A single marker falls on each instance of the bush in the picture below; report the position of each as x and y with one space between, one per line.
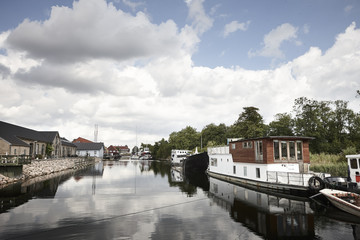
334 164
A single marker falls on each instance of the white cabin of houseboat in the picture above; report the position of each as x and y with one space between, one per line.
178 156
280 159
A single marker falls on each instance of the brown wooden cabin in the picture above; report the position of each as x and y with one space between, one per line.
271 149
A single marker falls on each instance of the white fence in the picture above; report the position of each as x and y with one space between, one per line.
218 150
300 179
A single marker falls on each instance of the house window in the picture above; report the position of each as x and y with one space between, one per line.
95 152
353 163
233 146
259 150
258 172
15 151
245 171
24 151
234 169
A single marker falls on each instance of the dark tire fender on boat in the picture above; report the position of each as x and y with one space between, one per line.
316 183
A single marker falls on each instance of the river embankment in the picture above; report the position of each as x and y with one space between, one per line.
47 167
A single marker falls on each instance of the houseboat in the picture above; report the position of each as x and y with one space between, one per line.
276 163
178 156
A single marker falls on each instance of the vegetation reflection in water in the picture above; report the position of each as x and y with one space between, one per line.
149 199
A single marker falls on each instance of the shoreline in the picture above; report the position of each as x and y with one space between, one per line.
39 168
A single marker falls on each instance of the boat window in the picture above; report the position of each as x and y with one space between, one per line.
353 163
234 169
292 150
284 153
259 150
299 150
258 172
214 162
276 150
247 144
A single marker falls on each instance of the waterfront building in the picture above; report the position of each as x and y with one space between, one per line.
17 140
90 149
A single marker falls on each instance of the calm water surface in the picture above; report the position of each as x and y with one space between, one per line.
149 200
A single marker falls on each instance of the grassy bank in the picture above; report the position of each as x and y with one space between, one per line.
336 165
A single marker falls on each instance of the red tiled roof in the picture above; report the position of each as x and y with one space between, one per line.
81 140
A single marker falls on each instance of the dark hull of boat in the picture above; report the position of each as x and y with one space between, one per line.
196 163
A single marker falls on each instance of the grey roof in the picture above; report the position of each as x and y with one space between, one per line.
66 142
89 146
50 136
13 134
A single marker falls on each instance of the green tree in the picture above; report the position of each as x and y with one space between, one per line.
187 138
283 125
312 120
162 149
250 124
354 131
338 130
49 149
215 135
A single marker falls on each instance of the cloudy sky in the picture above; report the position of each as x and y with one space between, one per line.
147 68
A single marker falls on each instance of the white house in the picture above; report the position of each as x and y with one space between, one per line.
90 149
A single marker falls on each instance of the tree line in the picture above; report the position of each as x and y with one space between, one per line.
333 125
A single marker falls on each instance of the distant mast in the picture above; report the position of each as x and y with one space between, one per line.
96 133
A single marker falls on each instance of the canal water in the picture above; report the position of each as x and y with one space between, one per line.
150 200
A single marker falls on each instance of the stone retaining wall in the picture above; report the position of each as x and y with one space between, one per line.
45 167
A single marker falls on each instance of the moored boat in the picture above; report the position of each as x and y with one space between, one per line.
277 163
178 156
197 162
346 201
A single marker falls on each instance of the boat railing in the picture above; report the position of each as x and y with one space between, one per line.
300 179
218 150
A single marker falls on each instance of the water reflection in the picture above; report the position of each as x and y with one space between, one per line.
270 216
147 199
42 187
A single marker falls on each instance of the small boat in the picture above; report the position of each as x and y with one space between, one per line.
178 156
347 201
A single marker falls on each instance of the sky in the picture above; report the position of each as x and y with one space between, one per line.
141 70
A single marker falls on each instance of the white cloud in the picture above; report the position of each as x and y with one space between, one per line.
306 28
157 91
201 22
273 40
133 5
93 29
235 26
348 8
214 9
